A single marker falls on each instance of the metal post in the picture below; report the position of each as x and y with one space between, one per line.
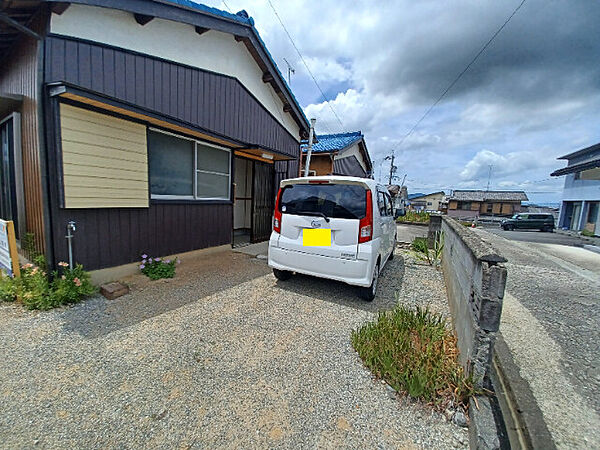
391 169
69 236
310 142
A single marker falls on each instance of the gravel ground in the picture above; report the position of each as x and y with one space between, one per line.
221 356
550 322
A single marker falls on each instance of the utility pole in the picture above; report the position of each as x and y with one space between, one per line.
392 167
291 70
489 177
310 143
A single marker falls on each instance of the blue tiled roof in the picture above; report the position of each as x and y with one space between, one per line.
333 142
243 17
416 195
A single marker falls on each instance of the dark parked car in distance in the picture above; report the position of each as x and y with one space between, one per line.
523 221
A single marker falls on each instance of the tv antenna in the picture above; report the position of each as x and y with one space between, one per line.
291 70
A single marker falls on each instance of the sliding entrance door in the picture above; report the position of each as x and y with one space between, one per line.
8 192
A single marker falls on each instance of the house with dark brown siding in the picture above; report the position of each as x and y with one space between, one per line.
156 126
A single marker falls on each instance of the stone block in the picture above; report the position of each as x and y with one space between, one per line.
114 290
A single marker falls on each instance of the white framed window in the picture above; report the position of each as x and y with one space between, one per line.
187 169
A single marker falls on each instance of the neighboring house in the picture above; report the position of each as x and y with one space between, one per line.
470 204
427 202
339 154
580 208
157 126
399 196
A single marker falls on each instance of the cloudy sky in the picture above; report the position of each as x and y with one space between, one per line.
532 96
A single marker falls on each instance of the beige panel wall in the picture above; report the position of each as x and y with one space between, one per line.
105 160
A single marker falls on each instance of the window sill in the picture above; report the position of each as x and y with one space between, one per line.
186 201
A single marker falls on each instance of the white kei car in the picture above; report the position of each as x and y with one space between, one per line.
335 227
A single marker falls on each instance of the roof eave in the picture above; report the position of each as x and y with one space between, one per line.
242 29
583 151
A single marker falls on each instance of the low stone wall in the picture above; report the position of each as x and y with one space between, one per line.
475 281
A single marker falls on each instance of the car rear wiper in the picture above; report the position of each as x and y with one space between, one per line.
313 213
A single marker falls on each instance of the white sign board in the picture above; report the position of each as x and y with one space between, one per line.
7 247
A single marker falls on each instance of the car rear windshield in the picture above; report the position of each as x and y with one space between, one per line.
341 201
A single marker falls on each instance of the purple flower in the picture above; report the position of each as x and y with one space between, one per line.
156 259
142 266
144 261
168 261
178 261
144 256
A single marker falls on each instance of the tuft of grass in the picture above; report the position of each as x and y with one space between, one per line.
432 256
415 353
587 233
419 244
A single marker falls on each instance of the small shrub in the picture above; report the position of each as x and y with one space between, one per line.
8 289
157 268
72 285
35 290
414 216
587 233
414 352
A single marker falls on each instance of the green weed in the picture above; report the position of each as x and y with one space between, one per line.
415 353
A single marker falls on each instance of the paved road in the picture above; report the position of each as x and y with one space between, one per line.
406 233
551 323
536 236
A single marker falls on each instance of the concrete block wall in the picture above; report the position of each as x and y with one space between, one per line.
475 281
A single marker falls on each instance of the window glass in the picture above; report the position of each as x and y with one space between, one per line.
212 185
171 160
381 203
388 204
211 159
171 163
342 201
212 172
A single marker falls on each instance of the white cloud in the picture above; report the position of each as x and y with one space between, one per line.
531 96
512 163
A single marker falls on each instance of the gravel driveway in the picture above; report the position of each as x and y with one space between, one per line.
221 356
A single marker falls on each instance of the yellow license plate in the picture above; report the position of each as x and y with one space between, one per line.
316 237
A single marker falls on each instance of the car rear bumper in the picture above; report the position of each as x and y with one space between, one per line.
356 272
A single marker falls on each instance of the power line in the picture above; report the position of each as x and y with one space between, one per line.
306 65
227 6
451 85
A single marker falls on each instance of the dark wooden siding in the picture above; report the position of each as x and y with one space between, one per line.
19 75
109 237
217 103
112 236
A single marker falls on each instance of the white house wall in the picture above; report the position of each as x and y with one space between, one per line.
215 51
353 150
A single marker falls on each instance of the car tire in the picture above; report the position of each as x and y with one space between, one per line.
509 228
282 275
368 293
547 229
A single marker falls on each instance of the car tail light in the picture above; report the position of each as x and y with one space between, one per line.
365 227
277 215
